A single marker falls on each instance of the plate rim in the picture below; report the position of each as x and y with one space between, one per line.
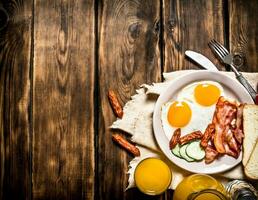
185 79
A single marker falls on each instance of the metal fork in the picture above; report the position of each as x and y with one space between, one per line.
227 58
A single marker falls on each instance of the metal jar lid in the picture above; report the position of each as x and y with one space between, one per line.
244 194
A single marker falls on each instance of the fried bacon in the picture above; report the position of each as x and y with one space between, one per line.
225 113
228 133
210 154
238 129
230 140
230 152
207 135
175 138
191 136
218 138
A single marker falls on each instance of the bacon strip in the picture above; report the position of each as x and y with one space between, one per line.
175 138
191 136
224 114
229 138
231 152
225 111
125 144
238 131
218 135
207 135
210 154
218 138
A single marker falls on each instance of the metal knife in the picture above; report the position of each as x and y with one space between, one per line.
201 60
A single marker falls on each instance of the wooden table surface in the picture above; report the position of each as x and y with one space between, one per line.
59 58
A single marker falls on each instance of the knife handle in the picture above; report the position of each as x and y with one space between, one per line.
247 86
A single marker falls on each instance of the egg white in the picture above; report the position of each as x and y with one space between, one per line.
187 93
201 115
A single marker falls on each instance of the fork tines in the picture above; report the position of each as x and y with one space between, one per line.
218 49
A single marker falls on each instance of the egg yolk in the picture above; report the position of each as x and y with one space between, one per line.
206 94
179 114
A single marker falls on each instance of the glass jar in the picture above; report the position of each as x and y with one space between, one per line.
241 190
200 187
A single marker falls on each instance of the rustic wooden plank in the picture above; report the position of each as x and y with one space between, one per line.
128 56
63 100
190 25
15 49
243 31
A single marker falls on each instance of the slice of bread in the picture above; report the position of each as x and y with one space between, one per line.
250 126
251 168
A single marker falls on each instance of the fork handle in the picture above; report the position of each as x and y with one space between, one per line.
247 85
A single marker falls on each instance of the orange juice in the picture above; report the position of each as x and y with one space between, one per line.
199 187
207 195
152 176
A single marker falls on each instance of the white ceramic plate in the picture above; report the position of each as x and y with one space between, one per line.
232 89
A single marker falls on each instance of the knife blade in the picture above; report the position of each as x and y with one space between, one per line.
201 60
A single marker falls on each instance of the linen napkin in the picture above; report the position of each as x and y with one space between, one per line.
137 121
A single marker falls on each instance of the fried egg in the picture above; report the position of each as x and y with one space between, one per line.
193 108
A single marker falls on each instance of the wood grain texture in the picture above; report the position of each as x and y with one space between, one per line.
128 56
15 45
243 29
63 93
190 25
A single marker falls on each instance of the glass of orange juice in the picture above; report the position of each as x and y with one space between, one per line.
152 176
200 187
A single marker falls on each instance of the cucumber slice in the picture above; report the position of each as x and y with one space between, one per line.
195 151
175 151
183 154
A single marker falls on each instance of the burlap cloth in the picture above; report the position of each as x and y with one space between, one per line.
137 121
